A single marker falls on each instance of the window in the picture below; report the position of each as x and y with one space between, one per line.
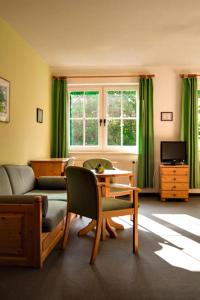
103 118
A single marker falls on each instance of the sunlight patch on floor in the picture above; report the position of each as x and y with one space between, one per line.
182 221
183 251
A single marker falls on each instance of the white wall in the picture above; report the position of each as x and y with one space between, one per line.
167 92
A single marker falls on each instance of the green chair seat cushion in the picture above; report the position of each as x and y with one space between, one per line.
60 195
115 204
55 214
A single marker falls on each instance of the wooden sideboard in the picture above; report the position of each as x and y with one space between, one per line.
174 182
49 166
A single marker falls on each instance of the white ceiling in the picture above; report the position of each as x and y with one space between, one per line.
108 33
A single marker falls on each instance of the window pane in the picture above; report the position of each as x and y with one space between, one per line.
76 132
129 133
91 104
114 132
76 104
129 104
91 132
114 104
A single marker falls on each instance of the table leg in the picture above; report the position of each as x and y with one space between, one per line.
88 228
110 230
103 230
115 224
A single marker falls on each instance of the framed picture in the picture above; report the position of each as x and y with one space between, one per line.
39 117
4 100
166 116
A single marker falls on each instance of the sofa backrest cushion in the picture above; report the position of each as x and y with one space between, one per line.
22 178
51 183
5 187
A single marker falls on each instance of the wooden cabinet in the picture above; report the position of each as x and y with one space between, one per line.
174 182
49 167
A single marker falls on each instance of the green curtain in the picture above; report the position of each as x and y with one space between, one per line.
189 126
146 134
59 147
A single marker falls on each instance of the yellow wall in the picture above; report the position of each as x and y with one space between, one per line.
23 138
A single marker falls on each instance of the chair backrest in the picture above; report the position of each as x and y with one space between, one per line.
82 192
92 163
70 162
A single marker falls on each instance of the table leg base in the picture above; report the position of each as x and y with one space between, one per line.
87 229
106 225
116 225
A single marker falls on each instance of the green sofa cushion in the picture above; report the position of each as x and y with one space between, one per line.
55 214
5 187
51 183
115 204
22 178
60 195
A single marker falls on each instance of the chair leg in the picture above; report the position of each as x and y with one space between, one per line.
66 230
96 241
135 233
131 200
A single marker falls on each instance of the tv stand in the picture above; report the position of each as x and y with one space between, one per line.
174 181
174 163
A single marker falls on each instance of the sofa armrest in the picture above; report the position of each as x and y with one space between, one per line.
25 199
51 183
21 230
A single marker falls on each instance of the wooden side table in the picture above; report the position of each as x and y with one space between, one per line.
49 166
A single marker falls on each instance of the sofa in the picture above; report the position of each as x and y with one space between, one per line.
32 215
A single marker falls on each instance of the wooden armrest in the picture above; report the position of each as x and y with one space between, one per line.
119 186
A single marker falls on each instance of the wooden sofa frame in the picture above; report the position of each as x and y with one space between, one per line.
22 241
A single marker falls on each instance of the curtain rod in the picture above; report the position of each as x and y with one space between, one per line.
189 75
106 76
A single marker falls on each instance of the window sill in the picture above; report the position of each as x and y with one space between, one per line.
102 152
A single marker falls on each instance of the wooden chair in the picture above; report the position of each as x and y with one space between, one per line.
116 189
84 198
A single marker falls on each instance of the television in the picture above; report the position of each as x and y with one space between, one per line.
173 152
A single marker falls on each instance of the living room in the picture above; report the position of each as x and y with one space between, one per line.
100 39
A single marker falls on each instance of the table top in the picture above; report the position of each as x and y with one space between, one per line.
114 173
51 159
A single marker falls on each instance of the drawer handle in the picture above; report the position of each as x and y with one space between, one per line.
174 178
174 187
174 171
174 195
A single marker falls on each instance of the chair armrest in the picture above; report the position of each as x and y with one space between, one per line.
119 186
51 183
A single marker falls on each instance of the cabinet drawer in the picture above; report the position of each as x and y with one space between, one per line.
174 171
171 178
174 194
174 186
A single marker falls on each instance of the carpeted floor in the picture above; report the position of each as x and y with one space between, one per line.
167 267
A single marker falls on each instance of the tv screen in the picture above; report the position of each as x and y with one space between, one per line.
173 152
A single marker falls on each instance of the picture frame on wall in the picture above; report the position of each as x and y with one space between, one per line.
39 115
166 116
4 100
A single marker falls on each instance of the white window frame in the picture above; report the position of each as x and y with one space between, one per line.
91 147
102 130
128 149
